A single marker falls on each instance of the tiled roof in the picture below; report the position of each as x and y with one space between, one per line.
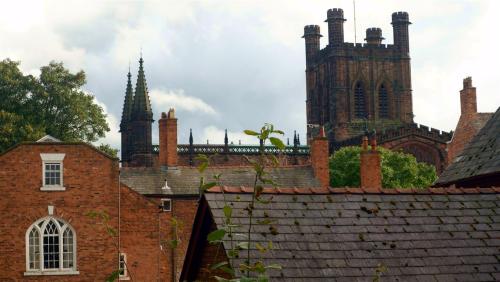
480 157
186 180
431 234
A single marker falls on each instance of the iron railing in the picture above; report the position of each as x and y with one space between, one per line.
236 149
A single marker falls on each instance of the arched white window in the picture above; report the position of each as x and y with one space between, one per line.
50 247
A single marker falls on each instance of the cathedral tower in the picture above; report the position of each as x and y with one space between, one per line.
354 87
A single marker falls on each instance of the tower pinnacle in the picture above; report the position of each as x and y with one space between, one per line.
142 106
128 103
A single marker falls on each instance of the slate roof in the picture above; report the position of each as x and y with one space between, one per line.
186 180
344 234
480 157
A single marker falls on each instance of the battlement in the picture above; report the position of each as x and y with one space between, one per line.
335 14
374 32
400 17
468 82
374 36
311 30
397 133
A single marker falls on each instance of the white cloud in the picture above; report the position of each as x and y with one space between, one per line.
113 137
241 63
165 99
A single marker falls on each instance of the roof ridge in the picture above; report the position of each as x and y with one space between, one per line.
452 190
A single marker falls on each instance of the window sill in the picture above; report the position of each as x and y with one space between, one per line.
51 272
124 278
52 188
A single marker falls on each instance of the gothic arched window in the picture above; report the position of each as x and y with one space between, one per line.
359 101
383 102
50 247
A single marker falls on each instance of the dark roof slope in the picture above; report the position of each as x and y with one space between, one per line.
479 158
344 234
186 180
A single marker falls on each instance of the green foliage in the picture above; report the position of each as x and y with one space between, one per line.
251 271
106 148
52 103
399 170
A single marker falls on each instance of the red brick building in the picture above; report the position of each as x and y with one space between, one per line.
66 217
470 121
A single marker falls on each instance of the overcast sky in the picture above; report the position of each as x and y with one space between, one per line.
237 64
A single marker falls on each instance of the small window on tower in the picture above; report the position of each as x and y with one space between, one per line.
383 102
166 204
359 101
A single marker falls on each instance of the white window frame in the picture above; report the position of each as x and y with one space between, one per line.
51 158
61 271
123 276
163 204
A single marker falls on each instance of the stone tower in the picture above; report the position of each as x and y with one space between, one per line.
135 126
355 87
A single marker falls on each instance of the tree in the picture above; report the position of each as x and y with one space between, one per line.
399 170
53 103
106 148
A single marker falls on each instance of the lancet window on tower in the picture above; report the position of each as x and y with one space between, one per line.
383 102
359 101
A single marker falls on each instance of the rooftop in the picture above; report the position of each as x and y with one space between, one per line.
481 157
432 234
186 180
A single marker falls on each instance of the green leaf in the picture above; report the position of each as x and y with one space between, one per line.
251 132
173 243
243 245
259 267
111 231
277 142
228 270
264 222
227 211
218 265
208 185
273 266
202 167
113 276
260 248
262 278
216 236
279 132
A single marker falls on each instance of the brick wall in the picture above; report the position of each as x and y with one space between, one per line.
91 181
319 159
370 168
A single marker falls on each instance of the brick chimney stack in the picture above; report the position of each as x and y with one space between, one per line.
319 158
168 140
468 101
370 169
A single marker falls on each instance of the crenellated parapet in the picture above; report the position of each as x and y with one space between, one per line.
406 130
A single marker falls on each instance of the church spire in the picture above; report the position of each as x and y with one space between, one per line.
142 107
128 103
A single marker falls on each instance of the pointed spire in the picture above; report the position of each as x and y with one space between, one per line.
142 106
226 140
190 136
128 103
